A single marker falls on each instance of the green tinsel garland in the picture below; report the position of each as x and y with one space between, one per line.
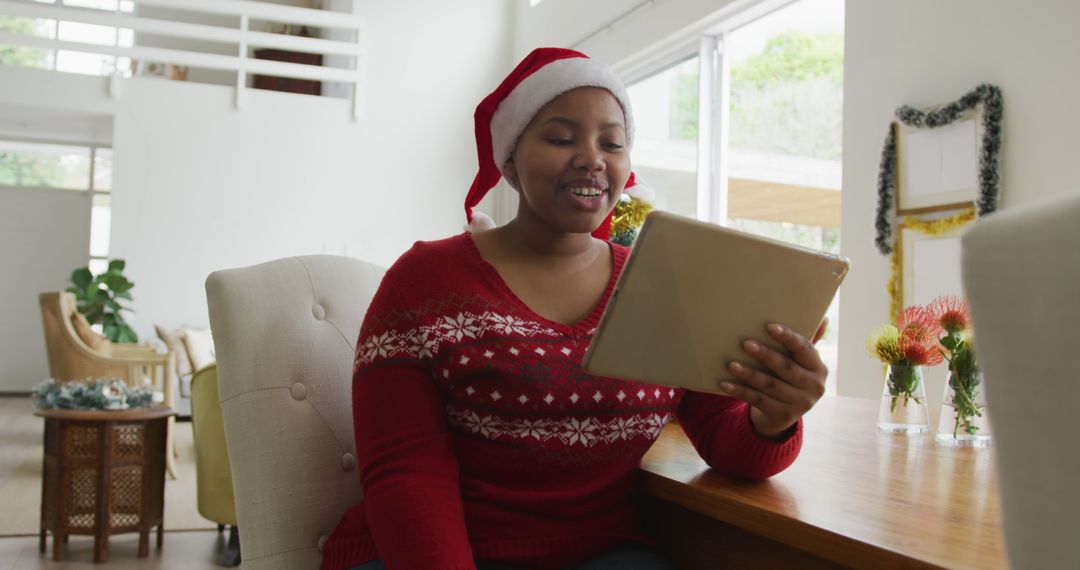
99 394
989 176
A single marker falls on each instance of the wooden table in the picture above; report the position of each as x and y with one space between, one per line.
854 498
104 473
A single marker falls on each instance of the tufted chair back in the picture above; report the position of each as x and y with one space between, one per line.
284 334
1021 271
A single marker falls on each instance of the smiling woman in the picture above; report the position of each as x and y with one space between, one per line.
481 441
572 155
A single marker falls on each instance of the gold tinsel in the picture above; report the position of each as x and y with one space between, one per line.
629 215
941 225
927 227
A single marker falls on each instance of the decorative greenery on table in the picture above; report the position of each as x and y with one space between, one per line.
98 298
99 394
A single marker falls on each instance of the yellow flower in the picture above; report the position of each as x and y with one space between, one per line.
884 344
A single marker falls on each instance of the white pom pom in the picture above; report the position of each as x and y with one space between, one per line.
641 191
481 222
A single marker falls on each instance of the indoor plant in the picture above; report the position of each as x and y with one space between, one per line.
905 347
98 298
963 419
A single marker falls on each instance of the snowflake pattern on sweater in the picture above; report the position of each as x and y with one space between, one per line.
515 379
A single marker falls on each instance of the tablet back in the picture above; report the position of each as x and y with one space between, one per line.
691 292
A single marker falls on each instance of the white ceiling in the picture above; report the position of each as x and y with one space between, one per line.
53 125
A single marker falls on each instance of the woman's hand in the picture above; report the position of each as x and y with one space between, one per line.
780 397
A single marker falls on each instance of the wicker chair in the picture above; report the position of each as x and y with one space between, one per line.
71 358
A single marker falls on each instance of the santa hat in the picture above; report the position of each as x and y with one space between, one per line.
503 115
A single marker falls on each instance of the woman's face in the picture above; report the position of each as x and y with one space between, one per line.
571 164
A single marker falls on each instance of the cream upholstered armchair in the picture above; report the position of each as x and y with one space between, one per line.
284 334
76 352
1021 271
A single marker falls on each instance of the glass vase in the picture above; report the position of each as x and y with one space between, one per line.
903 401
964 420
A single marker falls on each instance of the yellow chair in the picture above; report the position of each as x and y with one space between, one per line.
68 340
213 473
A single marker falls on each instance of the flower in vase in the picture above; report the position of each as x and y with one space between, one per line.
884 344
909 343
955 345
919 332
951 313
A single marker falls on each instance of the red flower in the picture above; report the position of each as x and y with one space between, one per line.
951 313
919 332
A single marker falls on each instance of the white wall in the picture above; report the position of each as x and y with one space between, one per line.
44 235
895 54
200 186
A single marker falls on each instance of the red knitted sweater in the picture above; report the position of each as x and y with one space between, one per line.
479 436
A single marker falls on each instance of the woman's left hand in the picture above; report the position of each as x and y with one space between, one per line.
794 384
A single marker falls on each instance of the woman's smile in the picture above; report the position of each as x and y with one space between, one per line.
587 194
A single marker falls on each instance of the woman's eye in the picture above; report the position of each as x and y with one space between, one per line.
560 142
612 146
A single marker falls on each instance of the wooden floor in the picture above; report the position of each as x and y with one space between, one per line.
183 550
20 444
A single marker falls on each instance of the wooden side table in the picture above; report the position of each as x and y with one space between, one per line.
104 474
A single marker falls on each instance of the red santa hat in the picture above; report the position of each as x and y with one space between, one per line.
503 115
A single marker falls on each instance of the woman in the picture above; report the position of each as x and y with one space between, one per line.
481 441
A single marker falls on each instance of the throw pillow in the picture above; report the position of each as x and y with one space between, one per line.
175 341
200 347
96 342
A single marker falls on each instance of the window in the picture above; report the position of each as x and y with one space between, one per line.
781 77
65 60
666 139
45 165
66 167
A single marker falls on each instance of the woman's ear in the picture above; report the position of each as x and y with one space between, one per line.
510 173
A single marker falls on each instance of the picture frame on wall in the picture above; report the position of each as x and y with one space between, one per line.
937 168
929 264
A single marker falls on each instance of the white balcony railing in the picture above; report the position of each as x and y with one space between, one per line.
240 37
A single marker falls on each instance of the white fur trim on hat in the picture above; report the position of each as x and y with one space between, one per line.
641 191
481 222
545 84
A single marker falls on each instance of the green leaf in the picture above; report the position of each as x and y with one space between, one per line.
126 335
82 277
948 342
117 265
94 315
110 330
114 281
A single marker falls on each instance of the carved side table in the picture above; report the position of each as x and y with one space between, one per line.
104 474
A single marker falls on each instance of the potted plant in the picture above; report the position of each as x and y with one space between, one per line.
905 347
98 297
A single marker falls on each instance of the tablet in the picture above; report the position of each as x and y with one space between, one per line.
691 292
